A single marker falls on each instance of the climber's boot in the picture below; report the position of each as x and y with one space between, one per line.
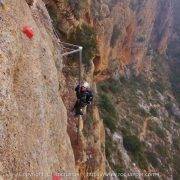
79 112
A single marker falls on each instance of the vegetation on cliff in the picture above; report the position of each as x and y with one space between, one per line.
139 99
85 36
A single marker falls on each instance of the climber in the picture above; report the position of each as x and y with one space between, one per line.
84 97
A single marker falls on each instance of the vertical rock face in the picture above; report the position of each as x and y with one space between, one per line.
125 32
33 118
163 25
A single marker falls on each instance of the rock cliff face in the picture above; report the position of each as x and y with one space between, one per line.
132 125
33 118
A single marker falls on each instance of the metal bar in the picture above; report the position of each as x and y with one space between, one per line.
68 49
71 52
80 65
78 130
64 47
80 82
80 68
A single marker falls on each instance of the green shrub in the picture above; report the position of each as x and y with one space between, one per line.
175 76
143 112
141 39
175 79
109 122
153 112
159 86
104 86
176 143
132 144
141 160
115 86
106 105
153 126
152 158
109 147
126 130
160 132
137 82
118 169
176 163
108 112
135 147
107 150
168 107
85 36
110 85
105 102
162 150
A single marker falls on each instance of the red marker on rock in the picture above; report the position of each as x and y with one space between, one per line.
28 32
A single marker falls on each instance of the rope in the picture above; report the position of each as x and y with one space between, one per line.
78 130
80 66
80 82
73 50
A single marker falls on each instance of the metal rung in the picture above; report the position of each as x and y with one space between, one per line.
71 52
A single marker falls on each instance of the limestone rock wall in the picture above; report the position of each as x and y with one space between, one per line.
125 31
33 118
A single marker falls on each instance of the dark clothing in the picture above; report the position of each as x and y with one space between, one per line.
84 97
78 108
